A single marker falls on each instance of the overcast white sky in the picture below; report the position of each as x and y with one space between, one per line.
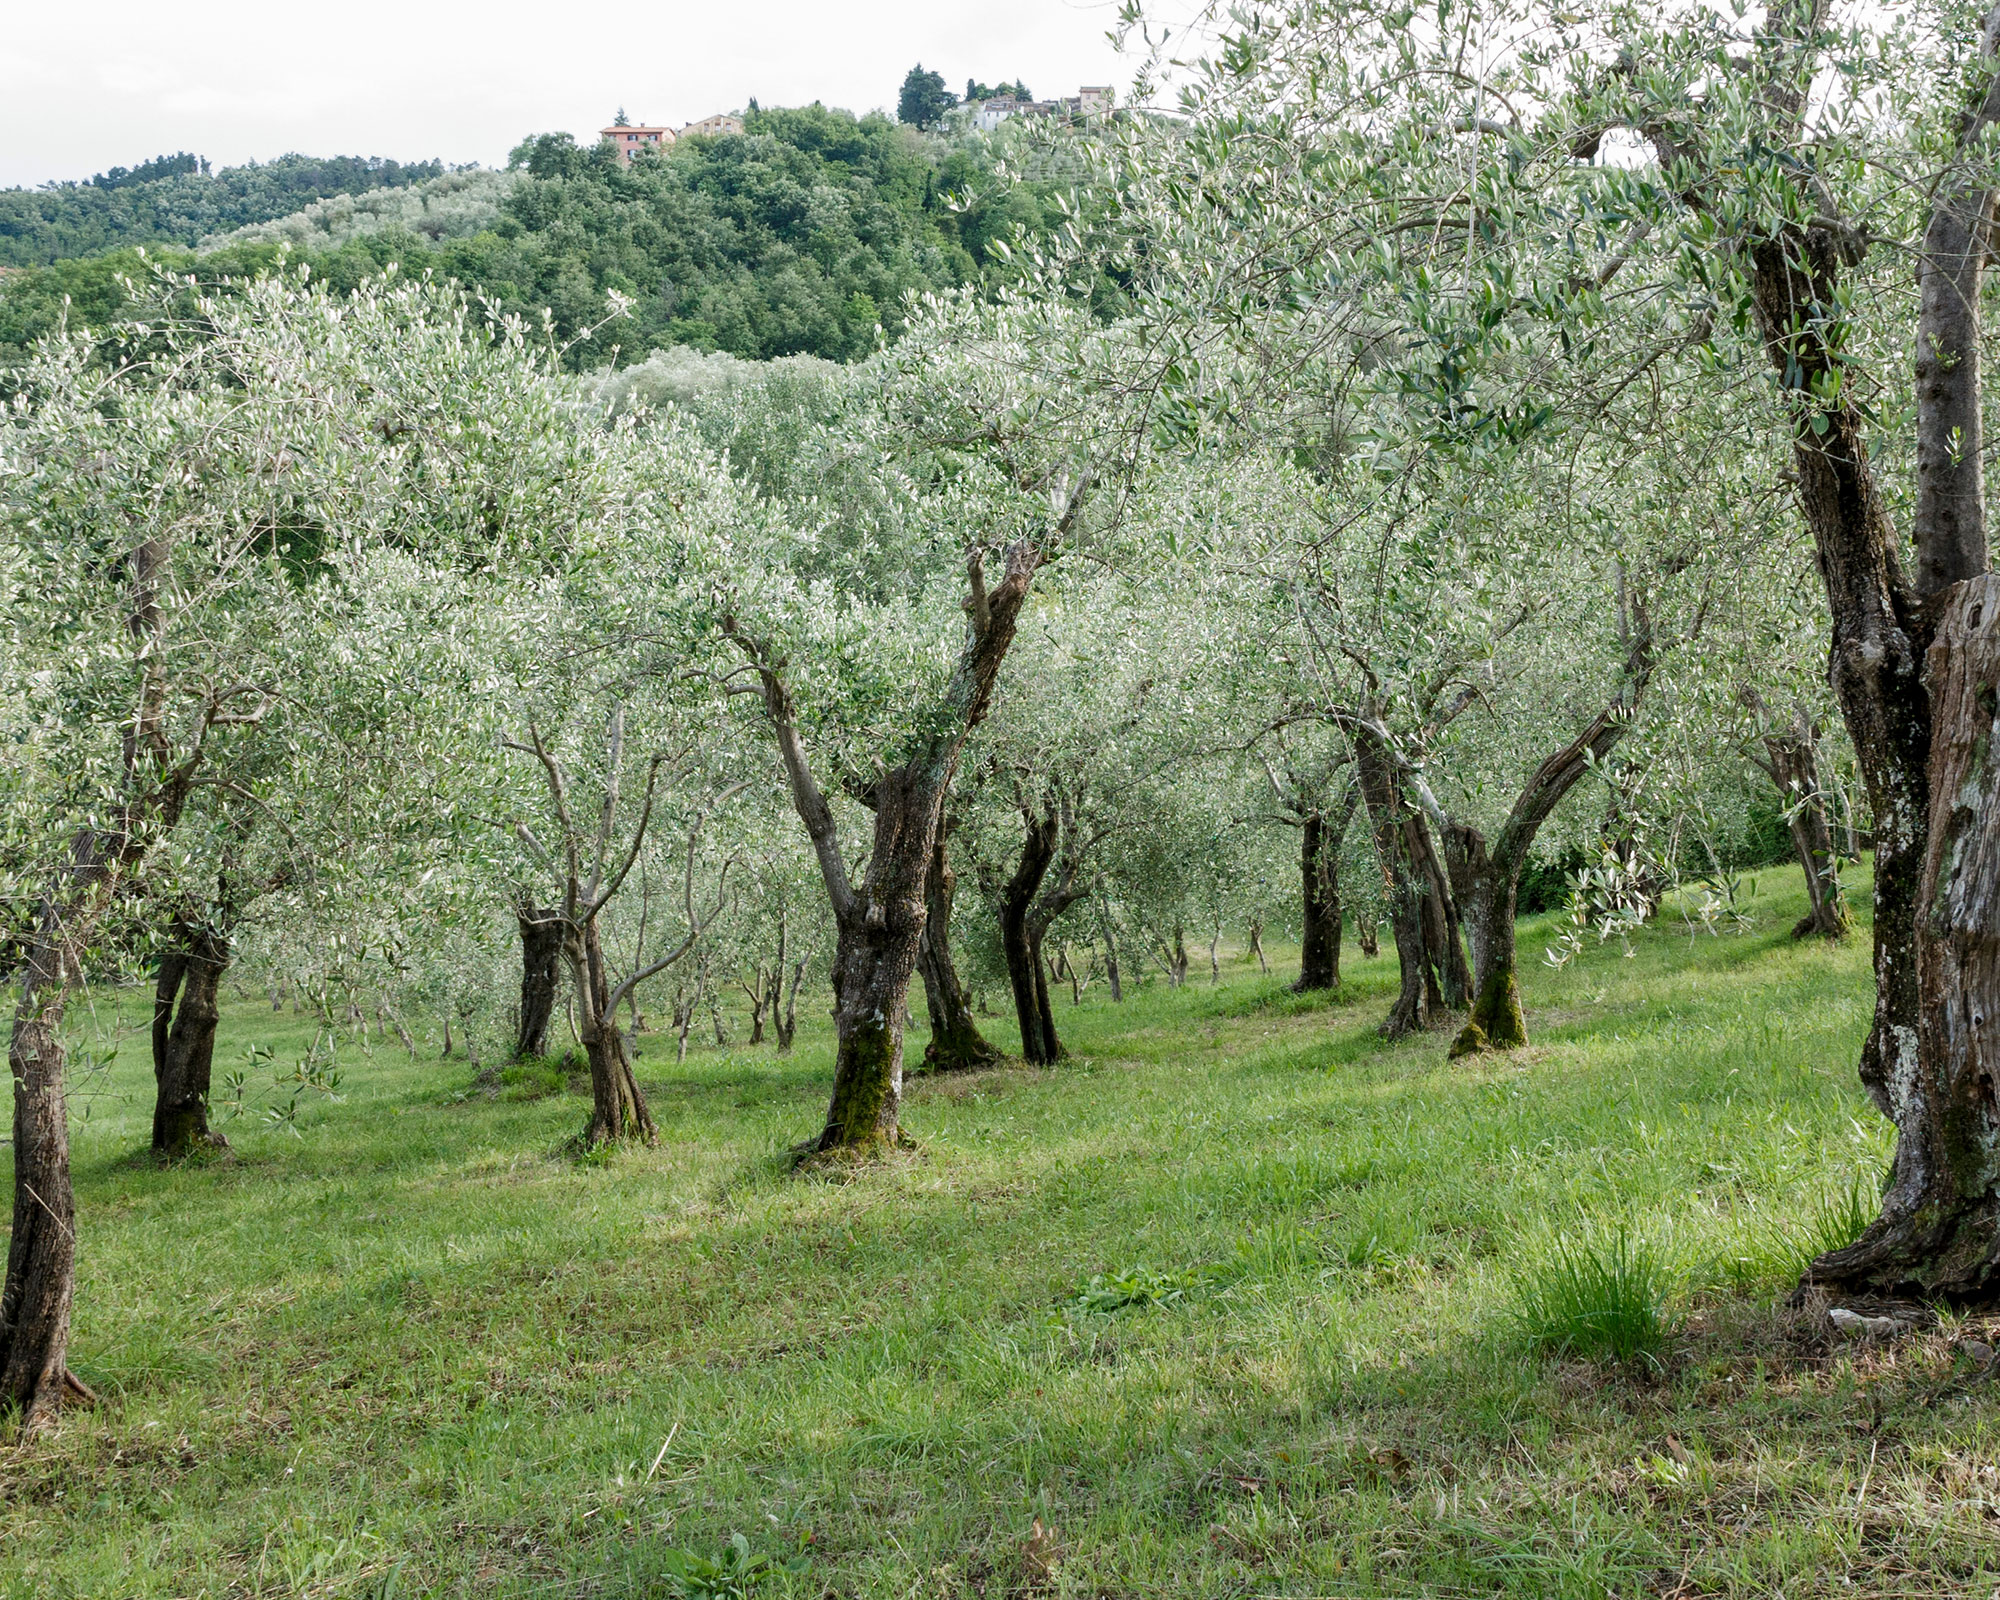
123 80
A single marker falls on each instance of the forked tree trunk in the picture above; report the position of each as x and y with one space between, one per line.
1792 763
1419 1001
1111 975
956 1044
541 965
1930 1057
1020 943
185 1014
880 923
617 1108
1486 883
1368 934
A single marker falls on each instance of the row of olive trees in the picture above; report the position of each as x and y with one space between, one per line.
1652 271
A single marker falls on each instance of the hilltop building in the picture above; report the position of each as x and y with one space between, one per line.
629 138
714 127
1086 105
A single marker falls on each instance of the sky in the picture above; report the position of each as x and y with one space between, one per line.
412 79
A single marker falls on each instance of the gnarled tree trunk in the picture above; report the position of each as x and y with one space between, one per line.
1419 1000
1486 883
1791 761
1929 1058
1018 941
617 1107
874 956
956 1044
541 964
185 1014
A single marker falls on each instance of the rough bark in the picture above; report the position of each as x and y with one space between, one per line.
1938 1236
1419 999
541 966
875 953
1927 1062
1039 1044
1321 835
41 1254
185 1014
956 1044
617 1107
880 922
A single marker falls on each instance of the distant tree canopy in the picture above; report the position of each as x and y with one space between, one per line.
150 171
975 90
176 200
801 236
924 99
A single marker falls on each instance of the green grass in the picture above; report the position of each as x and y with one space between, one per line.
1229 1303
1598 1297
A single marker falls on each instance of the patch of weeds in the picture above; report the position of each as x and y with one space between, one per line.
537 1077
729 1576
1143 1287
1601 1298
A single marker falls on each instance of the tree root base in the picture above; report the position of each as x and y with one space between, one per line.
814 1159
1950 1260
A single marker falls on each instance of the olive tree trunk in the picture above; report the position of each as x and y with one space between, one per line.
1039 1044
541 966
1486 882
1914 668
1791 760
185 1013
617 1107
956 1044
1321 836
1420 1001
879 923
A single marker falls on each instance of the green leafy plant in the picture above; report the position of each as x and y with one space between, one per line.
730 1576
1142 1286
1601 1298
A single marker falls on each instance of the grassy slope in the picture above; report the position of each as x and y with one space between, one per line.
420 1334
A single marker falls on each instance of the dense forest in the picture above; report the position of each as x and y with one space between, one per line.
805 235
176 200
1246 850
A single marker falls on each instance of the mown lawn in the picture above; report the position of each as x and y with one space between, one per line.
420 1350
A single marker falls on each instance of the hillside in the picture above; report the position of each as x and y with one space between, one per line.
802 236
1229 1303
176 200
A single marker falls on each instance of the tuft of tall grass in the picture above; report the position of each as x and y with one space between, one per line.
1601 1297
1840 1217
